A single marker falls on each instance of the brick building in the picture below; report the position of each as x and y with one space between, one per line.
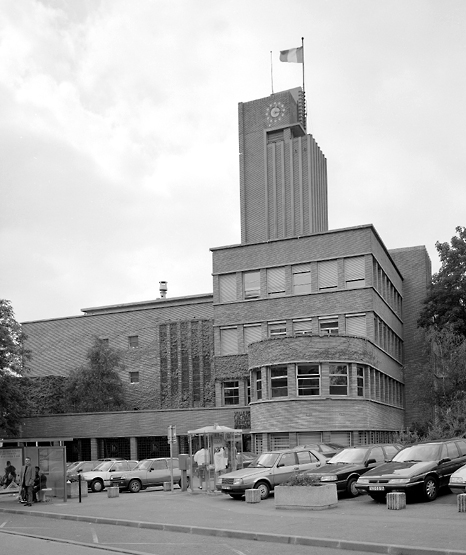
304 338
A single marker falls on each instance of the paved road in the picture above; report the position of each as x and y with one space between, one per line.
358 524
15 539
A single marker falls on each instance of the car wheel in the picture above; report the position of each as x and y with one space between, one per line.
430 488
264 489
351 487
134 486
378 497
97 485
235 495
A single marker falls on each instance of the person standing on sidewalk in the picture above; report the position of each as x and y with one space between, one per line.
26 480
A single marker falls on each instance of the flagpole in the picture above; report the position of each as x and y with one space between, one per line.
271 70
304 90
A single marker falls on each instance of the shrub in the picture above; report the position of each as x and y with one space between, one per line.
303 480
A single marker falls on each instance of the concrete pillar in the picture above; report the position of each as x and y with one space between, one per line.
133 449
253 496
461 501
396 500
94 450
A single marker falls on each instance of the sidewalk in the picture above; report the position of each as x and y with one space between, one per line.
359 524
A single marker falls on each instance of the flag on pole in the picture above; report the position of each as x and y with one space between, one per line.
292 55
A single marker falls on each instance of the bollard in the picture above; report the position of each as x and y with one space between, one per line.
461 500
396 500
253 496
113 492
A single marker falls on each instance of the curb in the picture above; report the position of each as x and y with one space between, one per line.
390 549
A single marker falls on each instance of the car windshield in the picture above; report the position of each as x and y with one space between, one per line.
264 460
419 453
349 456
103 466
72 466
143 465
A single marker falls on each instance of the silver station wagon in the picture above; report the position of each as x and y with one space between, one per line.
148 473
268 470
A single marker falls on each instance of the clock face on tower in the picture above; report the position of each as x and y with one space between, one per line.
274 113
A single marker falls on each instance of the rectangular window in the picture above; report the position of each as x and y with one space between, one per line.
248 390
228 341
302 327
251 285
134 377
308 377
279 381
328 275
276 329
252 333
259 385
360 380
338 378
355 272
133 341
231 393
356 325
301 276
227 288
328 326
276 282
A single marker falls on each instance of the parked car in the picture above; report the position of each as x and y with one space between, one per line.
244 459
457 482
423 468
99 478
268 470
147 473
345 467
77 468
327 449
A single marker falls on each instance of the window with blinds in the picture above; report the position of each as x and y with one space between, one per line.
251 282
301 279
355 272
276 329
252 333
227 288
328 326
302 327
338 379
276 282
360 380
356 325
259 385
228 341
328 274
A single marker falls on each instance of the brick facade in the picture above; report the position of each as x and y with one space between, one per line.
293 299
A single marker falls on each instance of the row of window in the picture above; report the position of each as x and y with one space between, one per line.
387 339
314 379
385 287
133 341
301 282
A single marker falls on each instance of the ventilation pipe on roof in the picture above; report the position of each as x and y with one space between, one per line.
163 289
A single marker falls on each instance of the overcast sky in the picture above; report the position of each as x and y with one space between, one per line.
119 146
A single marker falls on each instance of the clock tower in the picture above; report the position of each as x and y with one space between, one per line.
283 173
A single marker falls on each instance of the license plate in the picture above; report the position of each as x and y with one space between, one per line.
226 487
376 488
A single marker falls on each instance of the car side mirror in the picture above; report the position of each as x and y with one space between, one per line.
445 460
370 461
112 470
280 465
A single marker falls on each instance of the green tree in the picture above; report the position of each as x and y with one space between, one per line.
13 357
445 304
441 383
97 386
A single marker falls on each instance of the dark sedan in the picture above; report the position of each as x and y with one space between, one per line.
422 468
346 466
